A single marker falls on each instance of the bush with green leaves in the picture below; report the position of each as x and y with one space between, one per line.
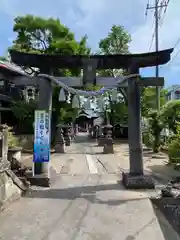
148 138
174 147
12 139
170 114
156 125
24 113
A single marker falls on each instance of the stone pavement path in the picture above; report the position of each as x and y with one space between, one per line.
156 164
87 202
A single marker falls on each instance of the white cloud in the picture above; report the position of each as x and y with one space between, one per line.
168 33
95 18
168 36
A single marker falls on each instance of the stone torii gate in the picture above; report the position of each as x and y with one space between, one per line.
135 178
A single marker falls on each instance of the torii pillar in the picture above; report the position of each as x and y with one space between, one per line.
41 170
135 178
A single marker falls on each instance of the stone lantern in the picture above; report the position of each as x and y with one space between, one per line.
108 141
59 144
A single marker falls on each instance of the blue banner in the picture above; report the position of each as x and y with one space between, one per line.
41 136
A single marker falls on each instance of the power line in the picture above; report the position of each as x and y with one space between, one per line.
157 7
161 19
175 56
152 39
164 12
176 44
178 41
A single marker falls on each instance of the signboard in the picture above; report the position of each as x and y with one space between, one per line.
41 136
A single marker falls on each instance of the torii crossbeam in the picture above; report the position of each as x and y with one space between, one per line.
135 178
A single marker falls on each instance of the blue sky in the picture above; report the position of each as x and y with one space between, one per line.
95 18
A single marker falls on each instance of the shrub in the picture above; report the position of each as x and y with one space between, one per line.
170 114
174 148
148 139
12 139
155 127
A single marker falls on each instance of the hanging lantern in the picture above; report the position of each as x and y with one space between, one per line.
114 95
87 104
75 102
62 95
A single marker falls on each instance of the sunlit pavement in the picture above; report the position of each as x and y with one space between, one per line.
87 201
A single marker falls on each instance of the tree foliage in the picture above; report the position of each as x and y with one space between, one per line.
155 127
174 147
148 99
171 115
24 113
63 112
3 58
49 36
116 42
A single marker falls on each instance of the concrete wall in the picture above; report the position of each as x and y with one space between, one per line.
8 190
11 186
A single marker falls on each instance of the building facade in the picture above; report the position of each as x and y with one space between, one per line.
173 92
9 92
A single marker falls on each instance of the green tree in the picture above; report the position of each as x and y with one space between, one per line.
49 36
148 99
36 34
24 113
3 58
170 113
117 42
155 127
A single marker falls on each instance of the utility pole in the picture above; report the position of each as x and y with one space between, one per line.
156 7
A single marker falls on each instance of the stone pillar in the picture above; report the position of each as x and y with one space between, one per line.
75 129
98 131
4 144
71 132
4 163
95 131
108 141
134 125
90 132
59 144
41 170
101 136
67 135
135 178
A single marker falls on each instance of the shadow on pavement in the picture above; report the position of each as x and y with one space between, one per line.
86 192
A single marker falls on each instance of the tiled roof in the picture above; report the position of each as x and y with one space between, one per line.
89 113
12 67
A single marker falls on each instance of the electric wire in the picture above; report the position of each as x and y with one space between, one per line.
175 56
160 17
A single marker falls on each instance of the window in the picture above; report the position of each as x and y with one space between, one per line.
1 82
177 94
30 92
